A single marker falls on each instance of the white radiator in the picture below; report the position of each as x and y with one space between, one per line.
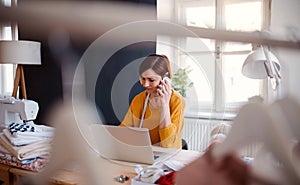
196 132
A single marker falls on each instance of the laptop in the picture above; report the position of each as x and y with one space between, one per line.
128 144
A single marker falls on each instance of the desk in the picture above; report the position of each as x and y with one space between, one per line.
117 168
4 174
108 170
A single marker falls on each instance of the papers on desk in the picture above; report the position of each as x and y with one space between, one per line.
150 174
174 165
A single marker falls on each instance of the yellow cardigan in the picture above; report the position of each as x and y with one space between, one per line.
169 137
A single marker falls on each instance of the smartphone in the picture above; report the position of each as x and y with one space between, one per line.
167 80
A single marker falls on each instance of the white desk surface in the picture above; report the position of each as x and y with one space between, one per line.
108 169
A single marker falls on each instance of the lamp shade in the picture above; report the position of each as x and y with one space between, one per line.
255 64
20 52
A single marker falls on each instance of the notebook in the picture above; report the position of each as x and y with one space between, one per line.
128 144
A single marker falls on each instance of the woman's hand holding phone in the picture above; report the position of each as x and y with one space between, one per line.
164 90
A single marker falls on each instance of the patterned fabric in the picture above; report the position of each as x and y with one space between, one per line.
21 127
30 129
36 164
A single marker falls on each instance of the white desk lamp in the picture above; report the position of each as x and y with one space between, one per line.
20 52
260 64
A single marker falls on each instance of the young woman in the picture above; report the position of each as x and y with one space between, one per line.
159 108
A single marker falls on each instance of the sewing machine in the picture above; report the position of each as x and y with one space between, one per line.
17 111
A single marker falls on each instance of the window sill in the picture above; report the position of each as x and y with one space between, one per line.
210 115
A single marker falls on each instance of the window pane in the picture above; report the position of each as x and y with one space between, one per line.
193 44
238 88
239 16
6 70
202 15
6 79
203 78
243 16
6 3
6 33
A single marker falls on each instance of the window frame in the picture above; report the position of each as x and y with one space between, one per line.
218 104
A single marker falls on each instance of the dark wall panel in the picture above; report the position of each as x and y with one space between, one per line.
46 83
106 78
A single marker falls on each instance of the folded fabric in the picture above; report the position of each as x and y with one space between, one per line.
27 151
34 154
22 140
3 149
12 158
30 129
36 164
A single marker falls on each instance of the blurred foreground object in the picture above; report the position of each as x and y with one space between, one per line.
278 162
71 146
206 170
88 20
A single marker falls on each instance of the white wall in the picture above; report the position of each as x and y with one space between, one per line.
285 17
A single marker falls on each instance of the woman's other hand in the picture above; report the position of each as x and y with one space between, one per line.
206 170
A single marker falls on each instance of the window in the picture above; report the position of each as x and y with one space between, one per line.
216 65
6 70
